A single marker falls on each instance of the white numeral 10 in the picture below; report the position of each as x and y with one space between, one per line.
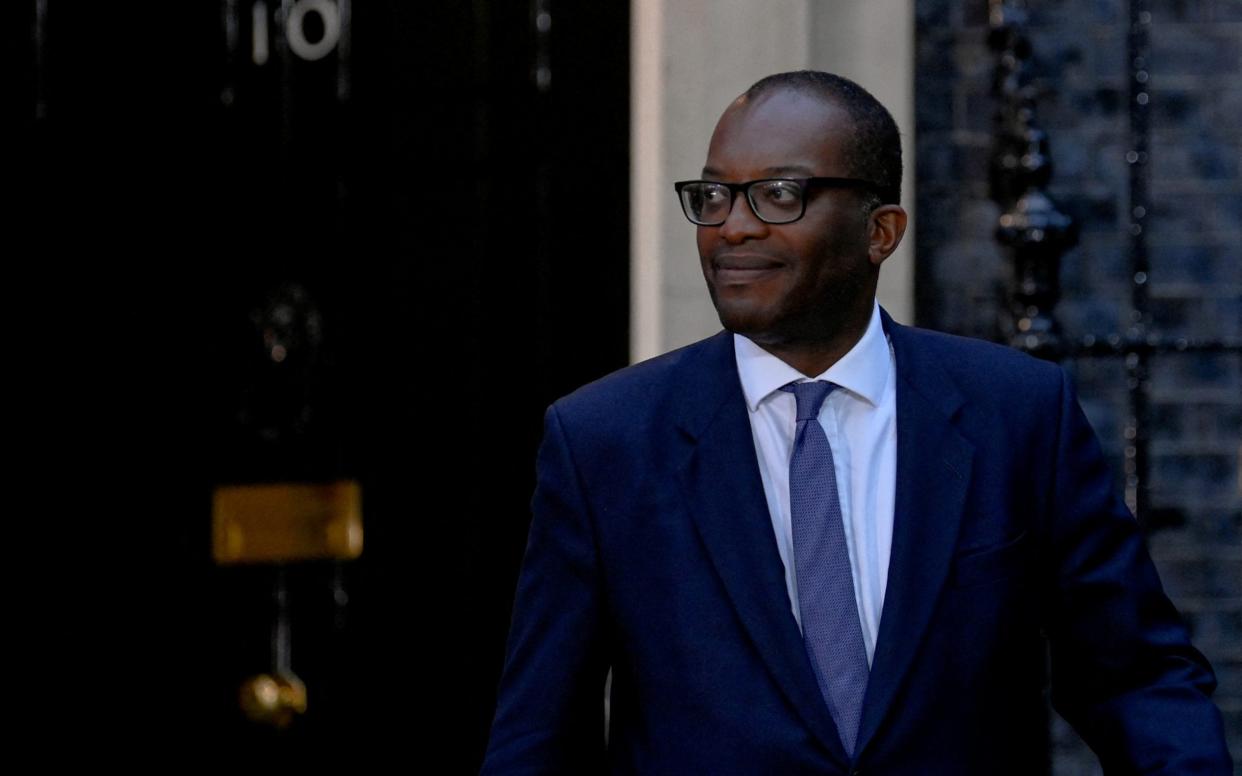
295 18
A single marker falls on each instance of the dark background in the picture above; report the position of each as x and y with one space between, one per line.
453 240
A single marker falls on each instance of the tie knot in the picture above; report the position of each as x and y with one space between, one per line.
810 397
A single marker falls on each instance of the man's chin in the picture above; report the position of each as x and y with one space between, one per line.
749 323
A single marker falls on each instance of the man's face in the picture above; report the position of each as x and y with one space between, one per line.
787 283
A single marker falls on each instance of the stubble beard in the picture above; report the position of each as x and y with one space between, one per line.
846 305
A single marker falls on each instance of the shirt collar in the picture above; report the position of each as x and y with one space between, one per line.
863 370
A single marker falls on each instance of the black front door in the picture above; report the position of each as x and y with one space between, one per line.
355 242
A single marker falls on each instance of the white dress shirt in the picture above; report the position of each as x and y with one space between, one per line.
860 420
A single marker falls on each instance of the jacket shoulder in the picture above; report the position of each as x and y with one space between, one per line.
979 368
648 388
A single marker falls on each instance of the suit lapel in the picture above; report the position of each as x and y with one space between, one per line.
724 494
933 474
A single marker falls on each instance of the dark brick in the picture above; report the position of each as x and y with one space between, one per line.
1111 170
930 14
1173 373
1108 101
1227 209
1203 157
973 59
1184 578
1221 318
1057 109
1049 13
1174 421
1109 12
1094 210
1109 265
1189 473
976 112
1101 391
1174 106
938 210
1180 262
1167 420
1216 421
1215 525
1228 671
974 160
933 106
1226 11
1212 160
1059 53
1182 212
936 159
1096 316
1192 50
1231 620
1071 162
935 56
1110 62
1171 317
1103 418
1215 629
1076 268
1180 10
973 14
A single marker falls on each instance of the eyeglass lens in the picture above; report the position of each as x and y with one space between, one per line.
774 201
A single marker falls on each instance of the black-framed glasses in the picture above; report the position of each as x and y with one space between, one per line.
773 200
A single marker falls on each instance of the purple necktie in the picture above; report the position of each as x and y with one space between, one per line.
830 625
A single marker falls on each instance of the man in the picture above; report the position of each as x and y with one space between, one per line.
821 542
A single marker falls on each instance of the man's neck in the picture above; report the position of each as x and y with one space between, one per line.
813 357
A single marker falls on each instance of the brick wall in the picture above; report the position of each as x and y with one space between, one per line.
1194 231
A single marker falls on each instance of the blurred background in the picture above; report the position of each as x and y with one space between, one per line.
349 251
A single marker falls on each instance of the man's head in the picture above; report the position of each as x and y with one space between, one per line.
875 151
811 280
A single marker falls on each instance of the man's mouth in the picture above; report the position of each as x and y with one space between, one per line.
738 269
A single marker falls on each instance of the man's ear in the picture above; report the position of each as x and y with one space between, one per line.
887 224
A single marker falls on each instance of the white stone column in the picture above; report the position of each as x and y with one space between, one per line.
872 43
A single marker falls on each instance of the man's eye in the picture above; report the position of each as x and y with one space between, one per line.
713 195
781 193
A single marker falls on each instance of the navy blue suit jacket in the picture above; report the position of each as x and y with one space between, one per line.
651 552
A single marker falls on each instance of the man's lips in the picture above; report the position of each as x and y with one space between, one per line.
735 268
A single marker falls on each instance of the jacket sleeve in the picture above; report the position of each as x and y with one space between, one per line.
1124 673
550 707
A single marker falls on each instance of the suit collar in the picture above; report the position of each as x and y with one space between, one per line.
707 382
923 373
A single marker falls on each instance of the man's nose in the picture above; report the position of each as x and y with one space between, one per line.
742 223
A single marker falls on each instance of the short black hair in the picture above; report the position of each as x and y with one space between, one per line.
875 154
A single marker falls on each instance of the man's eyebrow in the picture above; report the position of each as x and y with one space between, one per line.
785 169
790 168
